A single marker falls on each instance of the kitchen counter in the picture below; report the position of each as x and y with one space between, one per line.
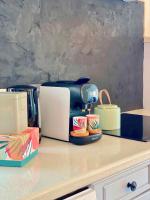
145 112
61 168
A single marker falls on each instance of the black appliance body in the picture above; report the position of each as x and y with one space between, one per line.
134 127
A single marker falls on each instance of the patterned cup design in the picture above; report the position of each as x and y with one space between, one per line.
79 124
93 124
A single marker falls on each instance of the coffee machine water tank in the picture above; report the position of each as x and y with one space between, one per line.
89 94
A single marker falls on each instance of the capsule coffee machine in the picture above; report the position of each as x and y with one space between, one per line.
62 100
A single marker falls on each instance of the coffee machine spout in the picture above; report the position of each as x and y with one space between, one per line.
87 108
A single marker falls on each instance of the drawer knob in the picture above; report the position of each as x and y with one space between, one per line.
132 186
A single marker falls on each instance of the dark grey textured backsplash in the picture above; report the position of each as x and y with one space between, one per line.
65 39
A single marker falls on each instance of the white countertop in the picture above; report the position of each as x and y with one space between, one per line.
61 167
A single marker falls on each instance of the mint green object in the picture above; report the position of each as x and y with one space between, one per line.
14 163
3 153
109 116
109 113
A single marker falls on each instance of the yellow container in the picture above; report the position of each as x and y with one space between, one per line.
13 112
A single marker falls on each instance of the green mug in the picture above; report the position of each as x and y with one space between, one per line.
109 113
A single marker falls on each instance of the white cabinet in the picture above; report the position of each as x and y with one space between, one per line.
146 72
145 196
88 194
130 184
127 185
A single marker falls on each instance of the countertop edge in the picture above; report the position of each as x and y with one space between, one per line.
92 177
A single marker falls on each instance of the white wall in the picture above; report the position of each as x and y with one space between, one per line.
146 74
147 18
146 68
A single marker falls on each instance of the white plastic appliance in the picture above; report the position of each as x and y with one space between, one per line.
55 110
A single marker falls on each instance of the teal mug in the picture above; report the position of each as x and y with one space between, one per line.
109 113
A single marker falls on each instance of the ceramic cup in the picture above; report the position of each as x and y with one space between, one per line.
93 124
79 124
109 113
109 116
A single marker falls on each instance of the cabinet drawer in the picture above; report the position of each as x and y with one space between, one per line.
126 185
145 196
88 194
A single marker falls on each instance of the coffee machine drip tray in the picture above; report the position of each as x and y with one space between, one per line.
134 127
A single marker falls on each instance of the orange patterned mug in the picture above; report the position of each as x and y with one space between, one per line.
93 124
